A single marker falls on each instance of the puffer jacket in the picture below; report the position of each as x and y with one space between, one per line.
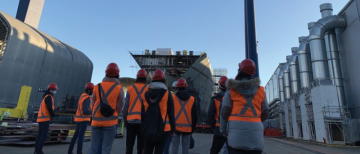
242 134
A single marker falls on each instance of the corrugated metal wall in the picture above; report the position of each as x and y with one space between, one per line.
349 46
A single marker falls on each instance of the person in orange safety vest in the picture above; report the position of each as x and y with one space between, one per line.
82 117
185 117
243 110
108 99
46 113
158 120
135 98
214 117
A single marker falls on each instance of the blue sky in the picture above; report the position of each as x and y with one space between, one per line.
105 30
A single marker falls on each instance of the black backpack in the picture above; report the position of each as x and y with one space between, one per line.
105 109
153 122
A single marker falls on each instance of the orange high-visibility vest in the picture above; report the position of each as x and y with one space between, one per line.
136 100
217 107
183 118
80 117
44 114
110 92
246 109
163 109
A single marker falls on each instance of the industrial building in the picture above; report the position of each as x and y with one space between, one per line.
194 67
314 93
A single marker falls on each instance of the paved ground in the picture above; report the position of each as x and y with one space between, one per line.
202 146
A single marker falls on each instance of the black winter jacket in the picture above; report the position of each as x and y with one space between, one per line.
212 113
153 94
48 102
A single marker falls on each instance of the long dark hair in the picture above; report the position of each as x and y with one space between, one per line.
242 75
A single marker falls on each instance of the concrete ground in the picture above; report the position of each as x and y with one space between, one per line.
202 146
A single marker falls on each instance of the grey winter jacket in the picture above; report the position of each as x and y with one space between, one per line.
241 134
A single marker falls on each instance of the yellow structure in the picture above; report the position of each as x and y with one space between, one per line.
21 108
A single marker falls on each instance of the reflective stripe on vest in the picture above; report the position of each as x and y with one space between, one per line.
183 121
104 99
133 116
44 114
79 117
247 107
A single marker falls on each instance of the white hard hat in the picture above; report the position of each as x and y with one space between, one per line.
174 84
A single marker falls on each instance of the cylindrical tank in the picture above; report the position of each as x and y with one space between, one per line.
178 53
36 59
191 53
184 52
147 52
153 52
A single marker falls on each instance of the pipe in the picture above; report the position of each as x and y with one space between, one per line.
333 55
250 34
287 79
281 83
317 42
294 71
305 69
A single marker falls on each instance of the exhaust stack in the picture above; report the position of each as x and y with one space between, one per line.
317 42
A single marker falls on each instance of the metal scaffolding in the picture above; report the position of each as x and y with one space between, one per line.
337 124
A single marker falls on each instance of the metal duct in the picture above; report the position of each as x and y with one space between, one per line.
305 69
281 83
287 79
333 54
294 71
317 42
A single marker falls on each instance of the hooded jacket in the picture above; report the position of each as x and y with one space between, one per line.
212 113
156 89
184 95
242 134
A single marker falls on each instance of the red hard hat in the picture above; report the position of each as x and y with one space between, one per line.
158 75
247 66
112 70
141 73
89 86
52 86
181 83
223 80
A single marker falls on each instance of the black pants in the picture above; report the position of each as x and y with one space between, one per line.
79 133
133 131
41 137
240 151
159 147
217 144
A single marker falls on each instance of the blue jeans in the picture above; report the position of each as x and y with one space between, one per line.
225 149
185 143
105 143
79 133
167 146
41 137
